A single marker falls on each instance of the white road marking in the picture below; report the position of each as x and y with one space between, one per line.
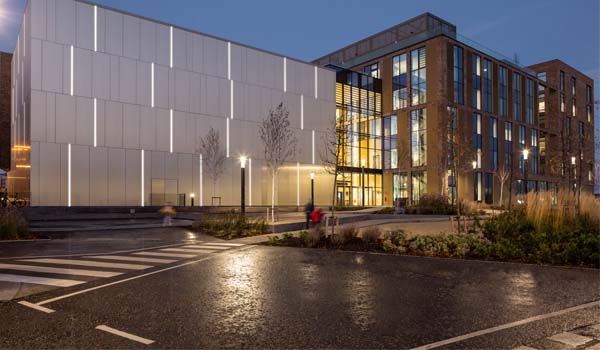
180 250
36 307
125 334
132 258
39 280
226 244
172 255
59 270
205 247
570 339
90 263
51 300
506 326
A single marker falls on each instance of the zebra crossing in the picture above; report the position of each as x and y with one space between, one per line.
67 272
586 337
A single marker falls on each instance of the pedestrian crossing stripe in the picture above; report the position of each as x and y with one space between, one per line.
90 263
58 270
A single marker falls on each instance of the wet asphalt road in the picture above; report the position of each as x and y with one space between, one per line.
275 297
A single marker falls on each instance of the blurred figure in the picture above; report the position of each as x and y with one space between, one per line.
168 211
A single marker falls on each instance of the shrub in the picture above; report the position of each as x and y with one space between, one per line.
434 204
302 235
314 235
396 237
288 235
348 233
13 224
230 225
273 240
371 234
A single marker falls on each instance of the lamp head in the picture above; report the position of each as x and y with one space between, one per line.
312 176
474 164
192 195
525 154
243 161
573 160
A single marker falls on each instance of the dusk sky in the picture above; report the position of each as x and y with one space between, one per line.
534 30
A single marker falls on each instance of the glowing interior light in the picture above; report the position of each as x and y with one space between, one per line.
95 28
171 130
95 123
69 174
201 189
229 60
313 147
316 83
250 181
298 184
231 99
72 70
227 136
284 74
152 84
142 182
171 47
301 112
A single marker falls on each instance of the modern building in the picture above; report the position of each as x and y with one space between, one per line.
459 119
5 111
109 107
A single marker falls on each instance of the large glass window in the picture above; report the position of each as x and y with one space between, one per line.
390 142
477 138
418 76
562 102
517 96
508 145
573 107
503 92
477 187
521 148
489 186
529 101
573 86
494 142
476 83
487 85
459 84
542 105
562 81
400 186
399 86
372 70
589 100
419 185
418 137
534 152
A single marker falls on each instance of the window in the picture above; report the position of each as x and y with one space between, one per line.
542 105
573 107
581 131
418 137
477 187
521 148
529 101
562 81
517 96
476 73
494 142
399 87
542 76
573 86
419 185
487 85
534 152
488 186
459 84
589 101
508 145
477 138
372 70
400 186
568 133
503 92
562 102
390 142
418 77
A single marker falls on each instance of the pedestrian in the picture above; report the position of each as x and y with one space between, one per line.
308 208
168 211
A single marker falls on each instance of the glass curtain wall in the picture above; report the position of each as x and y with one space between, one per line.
360 126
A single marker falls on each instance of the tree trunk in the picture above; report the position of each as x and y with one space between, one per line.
273 190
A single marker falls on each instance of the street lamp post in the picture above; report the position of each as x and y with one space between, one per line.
192 195
312 189
362 164
525 157
243 192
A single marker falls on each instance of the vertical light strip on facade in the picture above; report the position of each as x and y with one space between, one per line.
152 84
301 112
250 181
227 136
95 28
95 123
284 74
72 70
171 130
229 60
200 180
171 47
313 147
231 99
142 184
69 175
316 83
297 183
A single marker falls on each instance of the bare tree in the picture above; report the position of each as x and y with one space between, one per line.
279 140
331 155
503 174
213 156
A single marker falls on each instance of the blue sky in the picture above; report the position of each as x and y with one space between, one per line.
536 30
